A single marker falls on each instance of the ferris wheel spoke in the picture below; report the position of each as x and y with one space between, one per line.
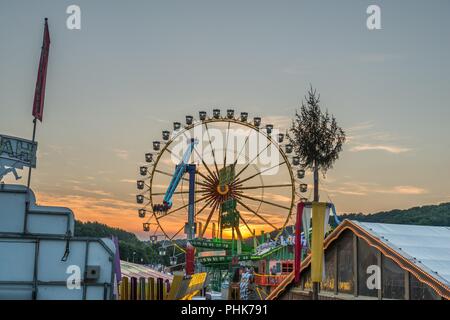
256 214
208 203
177 192
240 182
263 201
182 207
173 154
212 150
209 179
250 162
226 146
208 219
263 186
245 223
204 163
156 230
240 152
184 179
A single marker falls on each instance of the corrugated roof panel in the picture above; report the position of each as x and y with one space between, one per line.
426 246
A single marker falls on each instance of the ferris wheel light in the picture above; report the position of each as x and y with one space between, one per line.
244 116
173 261
156 145
230 113
176 126
142 213
165 135
301 173
303 187
189 120
202 115
280 137
216 113
140 184
143 170
257 121
148 157
153 239
289 148
296 161
146 227
140 199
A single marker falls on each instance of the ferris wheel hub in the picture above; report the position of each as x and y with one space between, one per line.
223 190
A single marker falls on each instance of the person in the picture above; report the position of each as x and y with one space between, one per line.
251 292
273 272
244 284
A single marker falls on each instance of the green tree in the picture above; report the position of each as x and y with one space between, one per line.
316 137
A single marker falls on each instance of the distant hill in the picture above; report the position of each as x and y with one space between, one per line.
430 215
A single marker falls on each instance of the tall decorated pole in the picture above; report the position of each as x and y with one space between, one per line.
317 141
38 102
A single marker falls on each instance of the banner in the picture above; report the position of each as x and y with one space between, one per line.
39 94
318 233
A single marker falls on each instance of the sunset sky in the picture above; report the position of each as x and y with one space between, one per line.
137 66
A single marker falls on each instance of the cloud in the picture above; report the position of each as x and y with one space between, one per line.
386 148
361 137
90 191
360 126
279 122
128 181
122 154
407 190
364 189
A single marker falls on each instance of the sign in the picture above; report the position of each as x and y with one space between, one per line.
185 287
17 152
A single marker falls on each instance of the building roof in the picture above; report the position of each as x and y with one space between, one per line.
422 250
426 247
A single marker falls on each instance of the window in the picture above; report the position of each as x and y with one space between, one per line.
345 263
421 291
393 280
367 279
287 267
330 264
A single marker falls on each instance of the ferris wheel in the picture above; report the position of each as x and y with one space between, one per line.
243 179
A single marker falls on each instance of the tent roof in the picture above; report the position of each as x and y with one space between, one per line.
427 247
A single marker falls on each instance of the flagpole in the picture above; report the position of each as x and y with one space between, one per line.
32 143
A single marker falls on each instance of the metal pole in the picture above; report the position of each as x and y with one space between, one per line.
27 199
191 214
32 143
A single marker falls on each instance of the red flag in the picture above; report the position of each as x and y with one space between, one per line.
39 94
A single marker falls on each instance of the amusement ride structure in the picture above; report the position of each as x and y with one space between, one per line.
220 180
